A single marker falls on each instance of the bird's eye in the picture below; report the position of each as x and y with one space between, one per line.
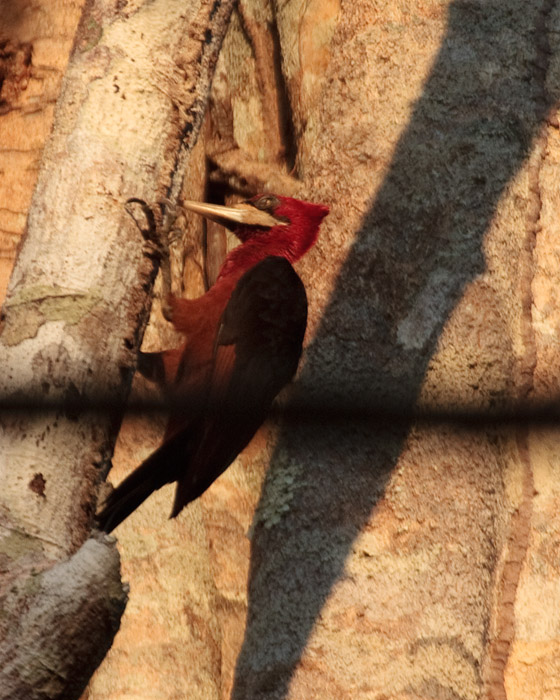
266 203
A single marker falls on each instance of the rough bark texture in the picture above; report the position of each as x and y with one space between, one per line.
384 560
35 42
58 623
131 106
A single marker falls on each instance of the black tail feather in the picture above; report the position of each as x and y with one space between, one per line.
127 497
156 471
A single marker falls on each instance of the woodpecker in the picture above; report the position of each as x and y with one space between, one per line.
243 342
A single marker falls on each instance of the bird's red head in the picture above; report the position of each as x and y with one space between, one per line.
292 223
267 224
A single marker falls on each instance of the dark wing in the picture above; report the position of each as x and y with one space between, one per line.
258 347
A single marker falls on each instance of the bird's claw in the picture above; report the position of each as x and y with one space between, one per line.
156 235
149 231
156 230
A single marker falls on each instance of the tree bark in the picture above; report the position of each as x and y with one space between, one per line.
390 561
129 112
35 42
386 558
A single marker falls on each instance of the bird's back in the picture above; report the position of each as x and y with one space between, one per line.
256 353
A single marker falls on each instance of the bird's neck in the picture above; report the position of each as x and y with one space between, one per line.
248 254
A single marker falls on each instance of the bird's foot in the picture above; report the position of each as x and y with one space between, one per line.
148 225
168 232
156 231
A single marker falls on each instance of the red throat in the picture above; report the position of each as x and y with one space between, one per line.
291 240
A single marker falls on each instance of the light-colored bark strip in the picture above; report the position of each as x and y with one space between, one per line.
129 112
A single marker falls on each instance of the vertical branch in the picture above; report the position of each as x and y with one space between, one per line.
75 312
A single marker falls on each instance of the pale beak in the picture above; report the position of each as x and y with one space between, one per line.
242 213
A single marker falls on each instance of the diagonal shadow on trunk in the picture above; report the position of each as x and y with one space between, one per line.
406 271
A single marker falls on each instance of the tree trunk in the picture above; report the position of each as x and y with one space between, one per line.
344 555
74 312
